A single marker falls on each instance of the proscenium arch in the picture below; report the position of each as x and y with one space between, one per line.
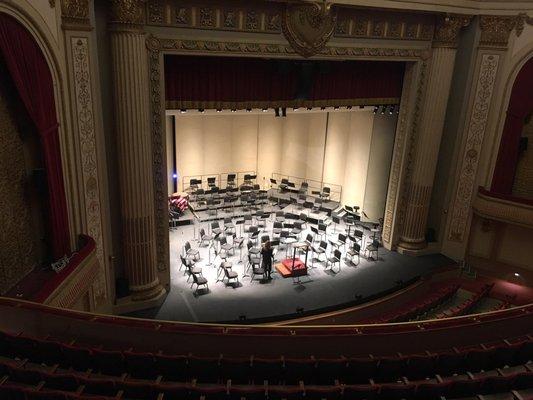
158 47
31 20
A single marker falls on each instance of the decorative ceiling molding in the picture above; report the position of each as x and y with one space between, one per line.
521 20
448 28
308 26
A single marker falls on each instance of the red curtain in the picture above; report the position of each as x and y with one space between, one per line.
33 80
209 82
520 105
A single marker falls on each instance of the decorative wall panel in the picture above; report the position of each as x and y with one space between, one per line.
475 133
18 254
86 129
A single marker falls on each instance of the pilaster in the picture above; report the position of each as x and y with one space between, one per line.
87 135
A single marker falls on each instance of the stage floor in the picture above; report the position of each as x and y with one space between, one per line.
279 298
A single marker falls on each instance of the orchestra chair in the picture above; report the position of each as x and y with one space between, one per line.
318 250
355 250
322 230
230 183
255 264
229 228
300 201
276 229
325 193
334 259
227 247
190 268
205 237
190 252
340 242
303 220
215 228
372 248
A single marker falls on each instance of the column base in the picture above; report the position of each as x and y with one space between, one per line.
129 304
415 251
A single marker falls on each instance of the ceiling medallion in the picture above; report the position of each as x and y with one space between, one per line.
308 25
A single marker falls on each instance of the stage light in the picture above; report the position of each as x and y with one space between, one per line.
397 109
233 110
265 109
516 274
382 110
322 108
201 110
174 176
276 110
391 110
284 112
348 107
375 109
248 110
219 110
336 108
309 108
361 106
183 111
295 109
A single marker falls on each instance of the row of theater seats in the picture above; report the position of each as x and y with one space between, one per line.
22 384
146 375
419 306
466 306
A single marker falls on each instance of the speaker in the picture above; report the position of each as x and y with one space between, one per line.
522 145
38 181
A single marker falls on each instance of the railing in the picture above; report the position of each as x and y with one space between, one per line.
314 185
74 281
39 320
503 208
221 180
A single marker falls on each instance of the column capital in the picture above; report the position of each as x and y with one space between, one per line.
127 14
447 29
495 30
75 14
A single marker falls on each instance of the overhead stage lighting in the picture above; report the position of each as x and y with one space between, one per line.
248 110
183 111
361 106
382 110
322 108
265 109
233 110
348 107
219 110
391 110
283 112
375 109
336 108
201 110
309 108
276 110
295 109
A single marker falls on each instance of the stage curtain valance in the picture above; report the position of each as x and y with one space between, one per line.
520 105
33 80
232 82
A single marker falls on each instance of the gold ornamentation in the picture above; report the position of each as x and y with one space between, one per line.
155 13
252 21
495 30
129 12
75 12
229 17
86 129
183 16
474 140
52 3
448 28
207 17
273 22
308 26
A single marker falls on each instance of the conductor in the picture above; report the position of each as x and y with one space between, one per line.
267 255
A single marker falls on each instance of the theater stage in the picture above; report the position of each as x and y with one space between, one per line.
280 298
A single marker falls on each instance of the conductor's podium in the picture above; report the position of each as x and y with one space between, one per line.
287 270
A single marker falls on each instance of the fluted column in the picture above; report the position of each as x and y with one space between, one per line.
441 67
132 128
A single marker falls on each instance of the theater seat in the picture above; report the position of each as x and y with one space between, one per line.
360 392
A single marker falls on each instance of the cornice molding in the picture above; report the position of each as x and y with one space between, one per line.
448 28
503 210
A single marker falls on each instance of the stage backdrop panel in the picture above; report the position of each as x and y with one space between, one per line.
351 148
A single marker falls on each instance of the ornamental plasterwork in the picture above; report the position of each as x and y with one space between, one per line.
75 11
308 26
448 28
86 129
460 210
495 30
127 11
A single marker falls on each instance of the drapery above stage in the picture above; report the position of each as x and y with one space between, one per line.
240 83
33 80
520 105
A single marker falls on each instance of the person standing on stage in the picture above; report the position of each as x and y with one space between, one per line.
267 254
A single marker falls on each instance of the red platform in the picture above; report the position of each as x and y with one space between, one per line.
286 269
